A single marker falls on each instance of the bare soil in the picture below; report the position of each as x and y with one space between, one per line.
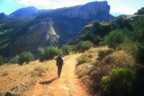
67 85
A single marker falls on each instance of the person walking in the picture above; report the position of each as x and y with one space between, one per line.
59 63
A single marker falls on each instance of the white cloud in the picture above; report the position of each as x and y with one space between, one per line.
122 9
52 4
34 2
66 4
41 4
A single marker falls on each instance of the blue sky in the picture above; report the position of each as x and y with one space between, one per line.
117 6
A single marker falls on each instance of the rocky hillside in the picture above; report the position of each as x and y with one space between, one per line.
93 9
67 23
36 36
95 31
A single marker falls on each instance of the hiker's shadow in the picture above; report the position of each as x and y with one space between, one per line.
49 81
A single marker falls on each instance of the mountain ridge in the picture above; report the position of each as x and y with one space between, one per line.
27 11
67 23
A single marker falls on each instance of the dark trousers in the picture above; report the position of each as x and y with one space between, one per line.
59 70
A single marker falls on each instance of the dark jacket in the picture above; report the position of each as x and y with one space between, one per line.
59 61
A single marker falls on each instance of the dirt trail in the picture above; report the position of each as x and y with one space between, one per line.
67 85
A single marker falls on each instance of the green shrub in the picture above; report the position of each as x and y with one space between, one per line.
25 57
115 38
49 53
118 83
135 42
83 45
66 49
14 60
2 60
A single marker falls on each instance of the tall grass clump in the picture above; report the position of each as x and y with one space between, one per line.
83 59
38 71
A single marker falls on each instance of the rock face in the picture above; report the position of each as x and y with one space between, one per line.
85 11
3 15
36 36
28 11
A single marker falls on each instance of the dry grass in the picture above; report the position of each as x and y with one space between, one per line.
118 59
84 69
12 75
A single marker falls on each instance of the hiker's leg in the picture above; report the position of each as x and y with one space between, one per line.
59 70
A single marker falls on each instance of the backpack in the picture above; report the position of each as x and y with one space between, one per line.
59 60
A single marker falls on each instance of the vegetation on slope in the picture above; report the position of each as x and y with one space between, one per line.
119 70
9 30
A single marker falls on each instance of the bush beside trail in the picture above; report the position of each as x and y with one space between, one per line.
48 53
83 46
25 57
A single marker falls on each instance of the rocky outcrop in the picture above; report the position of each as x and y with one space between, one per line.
36 36
85 11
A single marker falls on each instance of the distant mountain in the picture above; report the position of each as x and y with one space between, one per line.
27 11
67 23
3 15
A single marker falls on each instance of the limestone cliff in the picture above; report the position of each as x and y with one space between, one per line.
36 36
85 11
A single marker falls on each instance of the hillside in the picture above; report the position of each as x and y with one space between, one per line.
96 31
67 23
9 30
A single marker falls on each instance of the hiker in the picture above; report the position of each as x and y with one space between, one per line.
59 63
